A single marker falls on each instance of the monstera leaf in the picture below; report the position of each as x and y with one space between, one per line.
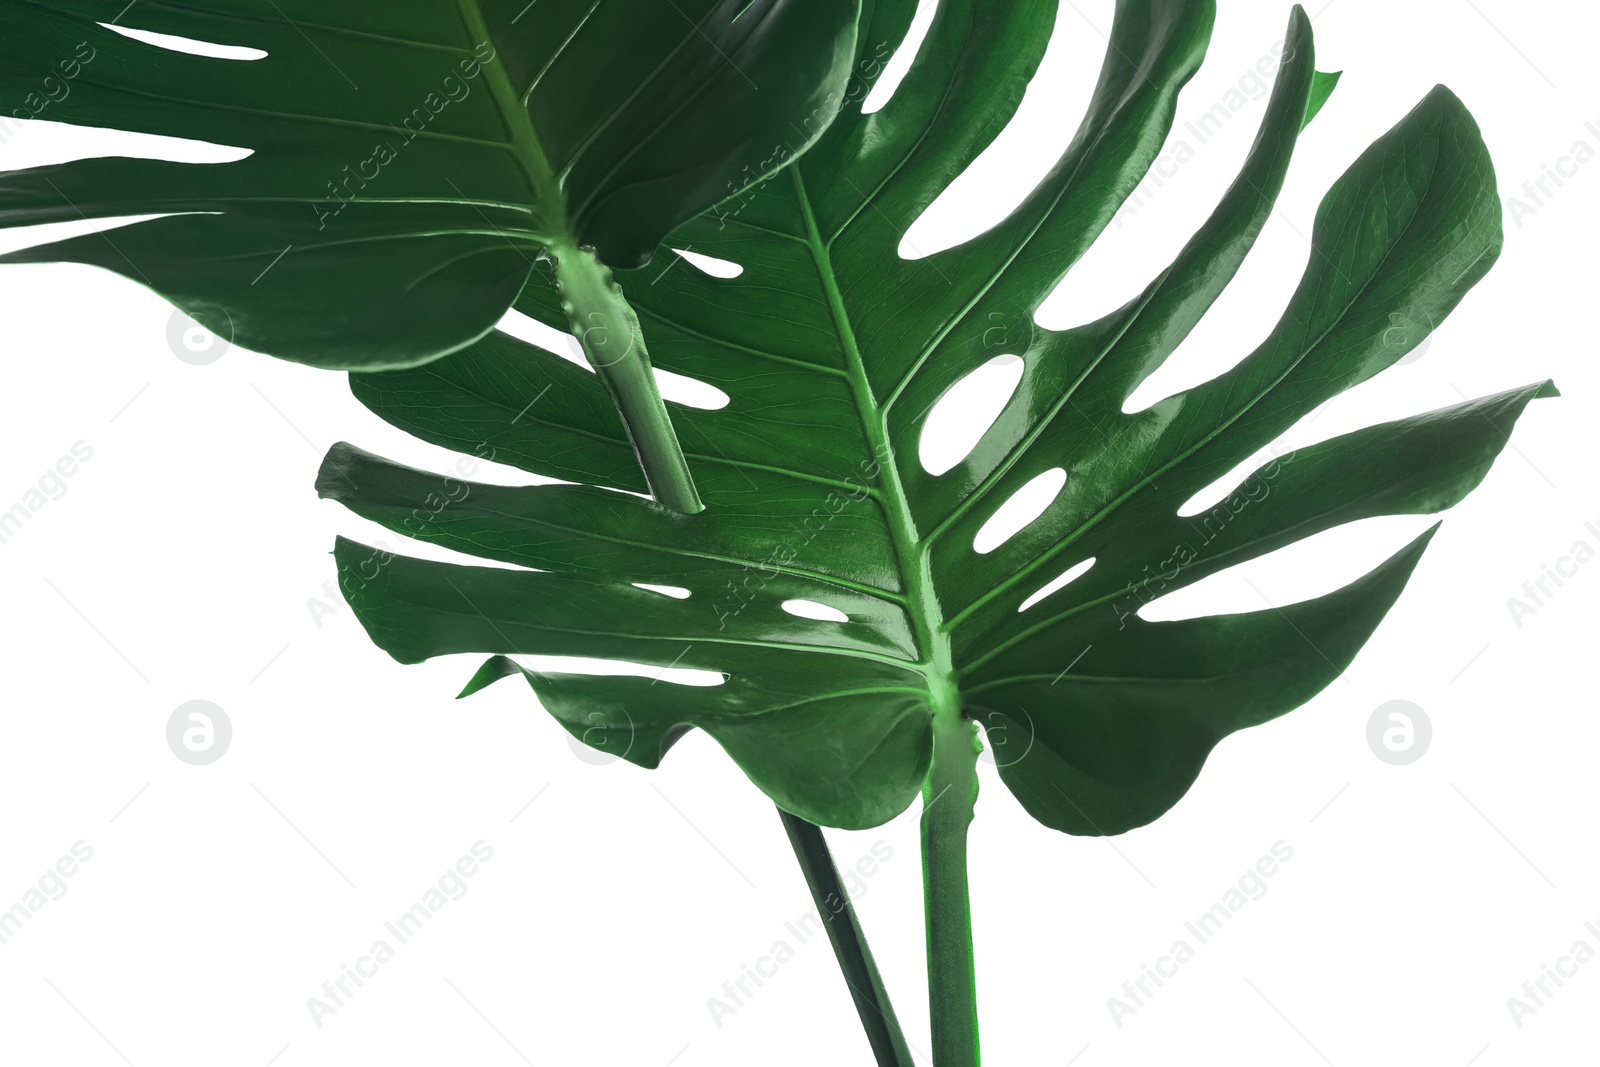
411 157
409 161
832 349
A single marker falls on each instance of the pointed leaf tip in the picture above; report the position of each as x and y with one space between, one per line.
493 669
1322 85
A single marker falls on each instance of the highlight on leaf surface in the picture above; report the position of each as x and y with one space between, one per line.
832 350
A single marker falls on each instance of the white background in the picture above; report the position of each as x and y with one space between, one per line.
186 557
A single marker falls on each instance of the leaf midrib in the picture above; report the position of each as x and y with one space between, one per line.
605 124
549 202
934 660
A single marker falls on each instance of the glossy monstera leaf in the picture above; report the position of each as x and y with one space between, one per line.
408 160
832 349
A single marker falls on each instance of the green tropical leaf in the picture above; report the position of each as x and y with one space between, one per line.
833 349
415 156
409 162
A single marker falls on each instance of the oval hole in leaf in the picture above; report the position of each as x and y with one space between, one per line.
1071 575
43 143
188 44
1249 480
1025 505
1245 313
1217 120
810 609
28 236
387 439
1305 570
894 71
717 268
1355 409
610 667
529 329
678 388
673 591
690 392
1010 168
373 533
962 416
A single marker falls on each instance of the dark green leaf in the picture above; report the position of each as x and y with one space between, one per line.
833 350
408 161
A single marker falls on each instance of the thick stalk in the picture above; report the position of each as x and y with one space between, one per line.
607 328
951 788
849 943
948 798
605 324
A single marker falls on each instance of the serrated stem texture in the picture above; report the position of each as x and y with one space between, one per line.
608 331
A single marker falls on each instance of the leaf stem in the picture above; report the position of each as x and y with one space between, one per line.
948 798
951 788
609 332
849 942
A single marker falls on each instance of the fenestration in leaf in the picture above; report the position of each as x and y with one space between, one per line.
409 161
833 349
